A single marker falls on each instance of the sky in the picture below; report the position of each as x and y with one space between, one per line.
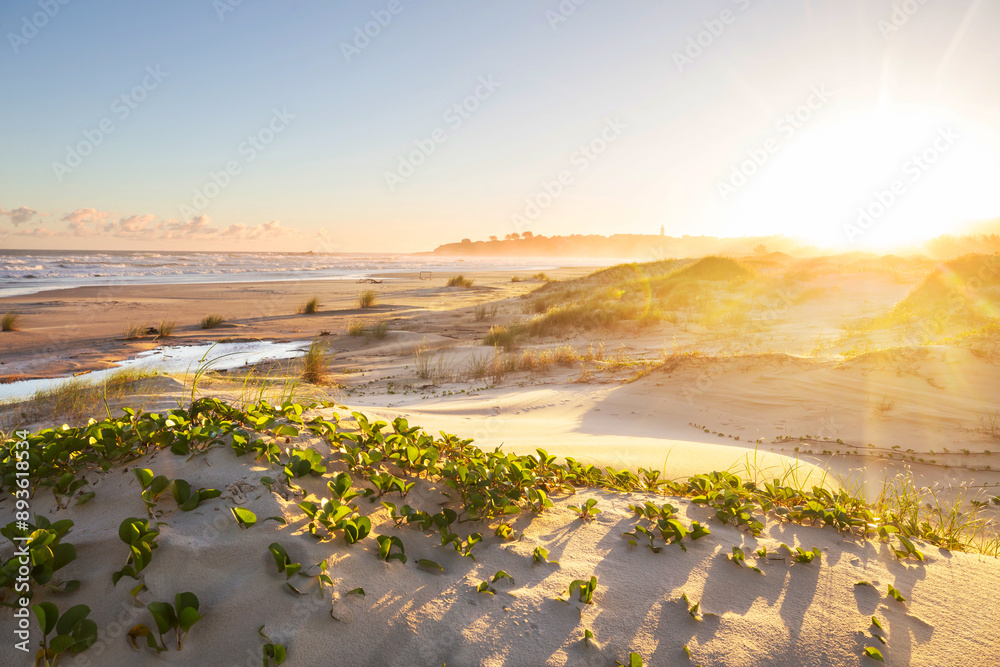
398 125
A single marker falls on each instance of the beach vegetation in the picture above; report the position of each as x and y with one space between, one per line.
135 331
165 328
310 307
482 485
9 321
78 398
316 361
212 321
141 540
431 365
634 660
179 617
487 585
504 336
430 565
584 589
874 654
275 654
244 517
75 632
380 329
481 311
540 556
587 510
460 281
367 299
47 554
386 544
283 561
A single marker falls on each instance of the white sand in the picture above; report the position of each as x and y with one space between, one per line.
792 615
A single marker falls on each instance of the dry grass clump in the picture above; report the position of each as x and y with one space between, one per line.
163 330
379 329
310 307
9 321
484 311
961 294
315 362
212 321
77 398
135 331
460 281
646 294
505 337
499 365
990 425
367 299
431 365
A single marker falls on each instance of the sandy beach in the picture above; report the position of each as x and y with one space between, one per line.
783 391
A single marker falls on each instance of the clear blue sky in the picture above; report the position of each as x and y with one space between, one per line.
676 123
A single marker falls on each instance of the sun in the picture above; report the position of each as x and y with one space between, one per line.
873 181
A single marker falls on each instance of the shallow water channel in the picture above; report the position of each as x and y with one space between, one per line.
168 359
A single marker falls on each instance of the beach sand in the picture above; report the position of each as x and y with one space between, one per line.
675 397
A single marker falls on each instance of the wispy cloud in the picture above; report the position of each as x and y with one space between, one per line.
19 216
90 223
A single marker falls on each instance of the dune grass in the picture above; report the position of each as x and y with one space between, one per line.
76 398
310 307
212 321
378 329
505 337
165 328
367 299
316 362
431 365
135 331
460 281
485 311
10 321
645 294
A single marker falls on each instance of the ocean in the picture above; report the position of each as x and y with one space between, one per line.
32 271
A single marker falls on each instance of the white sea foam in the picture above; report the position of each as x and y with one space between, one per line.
32 271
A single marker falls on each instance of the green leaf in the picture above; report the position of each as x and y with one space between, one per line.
47 613
180 490
145 477
188 617
71 618
424 562
60 643
874 654
895 594
877 624
357 591
186 600
244 517
84 498
163 615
